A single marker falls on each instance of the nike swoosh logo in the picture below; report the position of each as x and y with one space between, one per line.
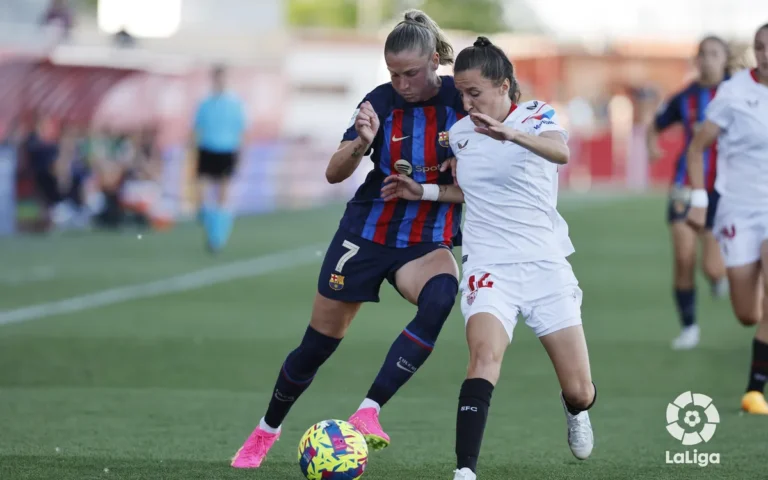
403 368
395 139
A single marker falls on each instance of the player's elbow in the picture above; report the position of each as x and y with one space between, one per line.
562 156
333 176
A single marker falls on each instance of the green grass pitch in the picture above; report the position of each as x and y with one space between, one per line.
168 387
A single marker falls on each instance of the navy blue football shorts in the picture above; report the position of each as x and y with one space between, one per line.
354 268
678 206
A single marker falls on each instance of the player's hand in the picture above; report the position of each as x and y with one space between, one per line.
450 163
655 152
491 127
401 186
367 123
697 217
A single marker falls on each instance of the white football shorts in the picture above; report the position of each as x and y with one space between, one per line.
740 234
546 294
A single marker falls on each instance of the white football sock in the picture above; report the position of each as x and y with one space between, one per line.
263 425
368 403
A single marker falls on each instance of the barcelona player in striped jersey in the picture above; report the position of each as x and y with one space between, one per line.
403 126
687 108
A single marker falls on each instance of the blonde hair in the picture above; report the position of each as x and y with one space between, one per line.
418 31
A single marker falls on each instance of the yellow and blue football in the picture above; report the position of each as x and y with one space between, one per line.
333 450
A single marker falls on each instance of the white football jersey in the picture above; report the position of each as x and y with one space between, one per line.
510 193
740 109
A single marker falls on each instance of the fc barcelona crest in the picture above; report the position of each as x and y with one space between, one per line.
442 139
336 282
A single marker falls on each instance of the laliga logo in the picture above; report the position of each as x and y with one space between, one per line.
692 419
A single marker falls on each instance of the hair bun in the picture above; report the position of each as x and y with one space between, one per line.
482 42
414 16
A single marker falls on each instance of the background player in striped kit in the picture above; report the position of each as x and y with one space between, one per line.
687 108
738 119
402 125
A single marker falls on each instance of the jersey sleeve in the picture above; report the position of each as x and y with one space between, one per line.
545 120
669 114
720 111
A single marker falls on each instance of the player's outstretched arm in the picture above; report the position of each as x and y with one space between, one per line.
702 140
402 186
550 146
347 158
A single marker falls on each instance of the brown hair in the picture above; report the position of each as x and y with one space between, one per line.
417 30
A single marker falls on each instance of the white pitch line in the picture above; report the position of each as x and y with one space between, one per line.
253 267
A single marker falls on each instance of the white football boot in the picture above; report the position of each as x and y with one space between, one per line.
464 474
580 437
688 339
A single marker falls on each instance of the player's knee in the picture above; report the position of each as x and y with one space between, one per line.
435 303
748 319
713 271
484 362
332 317
309 356
685 270
438 295
580 394
747 316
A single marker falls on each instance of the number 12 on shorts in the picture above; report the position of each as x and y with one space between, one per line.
476 283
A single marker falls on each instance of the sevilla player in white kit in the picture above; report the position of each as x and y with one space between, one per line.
515 245
738 119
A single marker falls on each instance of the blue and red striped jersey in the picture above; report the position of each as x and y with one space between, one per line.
415 136
688 108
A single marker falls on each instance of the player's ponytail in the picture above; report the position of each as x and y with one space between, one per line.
418 31
492 62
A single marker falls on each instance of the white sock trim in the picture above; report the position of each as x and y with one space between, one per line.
368 403
263 425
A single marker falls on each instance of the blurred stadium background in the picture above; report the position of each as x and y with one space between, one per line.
113 69
153 359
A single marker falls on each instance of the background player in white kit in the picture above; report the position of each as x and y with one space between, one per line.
515 244
738 119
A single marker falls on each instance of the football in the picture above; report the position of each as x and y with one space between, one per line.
333 450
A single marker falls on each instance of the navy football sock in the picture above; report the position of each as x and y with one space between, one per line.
412 347
759 371
686 306
297 373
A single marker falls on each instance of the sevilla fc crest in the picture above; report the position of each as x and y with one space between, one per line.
471 297
442 139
